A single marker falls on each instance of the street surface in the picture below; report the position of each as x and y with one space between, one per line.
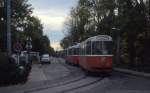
59 77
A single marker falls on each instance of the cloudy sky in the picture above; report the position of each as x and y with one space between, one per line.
52 14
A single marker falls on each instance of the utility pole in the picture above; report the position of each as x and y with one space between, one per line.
8 25
118 32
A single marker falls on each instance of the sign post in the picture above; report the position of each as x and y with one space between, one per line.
28 47
17 47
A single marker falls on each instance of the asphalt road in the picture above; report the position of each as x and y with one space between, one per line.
59 77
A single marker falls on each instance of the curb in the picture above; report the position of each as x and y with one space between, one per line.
143 74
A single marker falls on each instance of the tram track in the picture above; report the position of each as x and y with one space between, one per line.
76 83
53 85
77 79
73 76
82 86
70 86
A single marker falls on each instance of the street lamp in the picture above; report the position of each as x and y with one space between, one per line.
118 32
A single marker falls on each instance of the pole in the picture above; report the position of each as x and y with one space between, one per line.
118 32
8 26
118 48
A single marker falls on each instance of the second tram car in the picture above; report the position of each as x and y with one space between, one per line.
72 55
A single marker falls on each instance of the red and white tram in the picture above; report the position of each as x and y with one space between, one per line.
96 54
72 54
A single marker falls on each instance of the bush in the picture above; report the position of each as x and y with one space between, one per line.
8 70
11 72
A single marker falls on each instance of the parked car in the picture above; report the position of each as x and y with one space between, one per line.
45 58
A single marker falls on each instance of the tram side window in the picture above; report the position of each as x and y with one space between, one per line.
96 47
88 48
70 51
77 51
82 50
74 51
65 52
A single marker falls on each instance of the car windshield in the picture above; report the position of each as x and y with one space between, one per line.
45 55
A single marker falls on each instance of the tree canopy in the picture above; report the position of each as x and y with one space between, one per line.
24 24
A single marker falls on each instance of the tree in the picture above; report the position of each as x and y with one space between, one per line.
25 25
89 18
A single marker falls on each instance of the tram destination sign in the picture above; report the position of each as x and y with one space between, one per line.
102 38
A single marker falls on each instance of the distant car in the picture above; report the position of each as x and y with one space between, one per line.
45 58
23 53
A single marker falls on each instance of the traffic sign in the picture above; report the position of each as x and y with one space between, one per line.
17 46
28 46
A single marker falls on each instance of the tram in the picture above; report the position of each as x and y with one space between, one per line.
72 55
96 54
93 55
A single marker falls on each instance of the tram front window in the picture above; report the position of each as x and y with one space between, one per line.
107 47
101 47
97 48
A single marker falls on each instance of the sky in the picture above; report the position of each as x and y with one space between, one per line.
53 14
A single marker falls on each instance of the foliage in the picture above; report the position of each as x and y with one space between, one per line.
89 18
25 25
11 72
8 70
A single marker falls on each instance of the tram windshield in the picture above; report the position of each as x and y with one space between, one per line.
107 45
101 47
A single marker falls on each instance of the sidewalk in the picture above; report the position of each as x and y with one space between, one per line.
36 74
143 74
38 77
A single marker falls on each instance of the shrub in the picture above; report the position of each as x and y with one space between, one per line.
8 70
11 72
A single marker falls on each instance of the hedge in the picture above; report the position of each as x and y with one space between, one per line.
12 73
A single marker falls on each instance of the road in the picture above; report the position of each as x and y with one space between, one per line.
59 77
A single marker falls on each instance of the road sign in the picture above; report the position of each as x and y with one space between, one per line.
17 46
28 43
28 46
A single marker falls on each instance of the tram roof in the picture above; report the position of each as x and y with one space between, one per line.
100 38
94 38
74 46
